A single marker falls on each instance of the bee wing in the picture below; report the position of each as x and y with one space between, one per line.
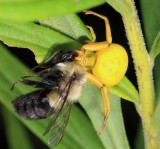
60 119
57 130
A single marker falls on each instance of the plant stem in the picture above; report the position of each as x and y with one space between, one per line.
143 72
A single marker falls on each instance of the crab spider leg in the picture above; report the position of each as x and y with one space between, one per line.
99 45
95 46
92 33
105 97
107 107
107 26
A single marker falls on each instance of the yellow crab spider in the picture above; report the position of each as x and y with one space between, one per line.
105 62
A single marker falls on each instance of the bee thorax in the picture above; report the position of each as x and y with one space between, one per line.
79 76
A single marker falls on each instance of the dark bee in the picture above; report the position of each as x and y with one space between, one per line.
60 86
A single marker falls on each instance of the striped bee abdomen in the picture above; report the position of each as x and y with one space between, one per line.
34 105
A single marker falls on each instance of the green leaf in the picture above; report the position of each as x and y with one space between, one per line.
69 25
113 136
16 134
120 6
39 39
126 90
155 48
150 19
156 71
151 23
31 10
79 126
155 127
139 141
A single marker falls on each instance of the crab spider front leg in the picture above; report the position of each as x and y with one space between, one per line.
105 97
107 25
99 45
92 33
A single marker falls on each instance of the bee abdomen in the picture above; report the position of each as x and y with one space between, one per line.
33 106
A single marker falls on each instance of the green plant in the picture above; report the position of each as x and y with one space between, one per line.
65 32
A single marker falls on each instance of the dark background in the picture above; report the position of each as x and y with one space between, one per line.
131 118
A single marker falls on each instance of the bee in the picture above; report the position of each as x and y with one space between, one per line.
61 85
103 64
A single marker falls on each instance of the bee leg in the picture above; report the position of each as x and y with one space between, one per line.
41 73
36 84
105 97
15 84
46 63
32 69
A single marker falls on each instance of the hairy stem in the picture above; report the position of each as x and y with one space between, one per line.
143 71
